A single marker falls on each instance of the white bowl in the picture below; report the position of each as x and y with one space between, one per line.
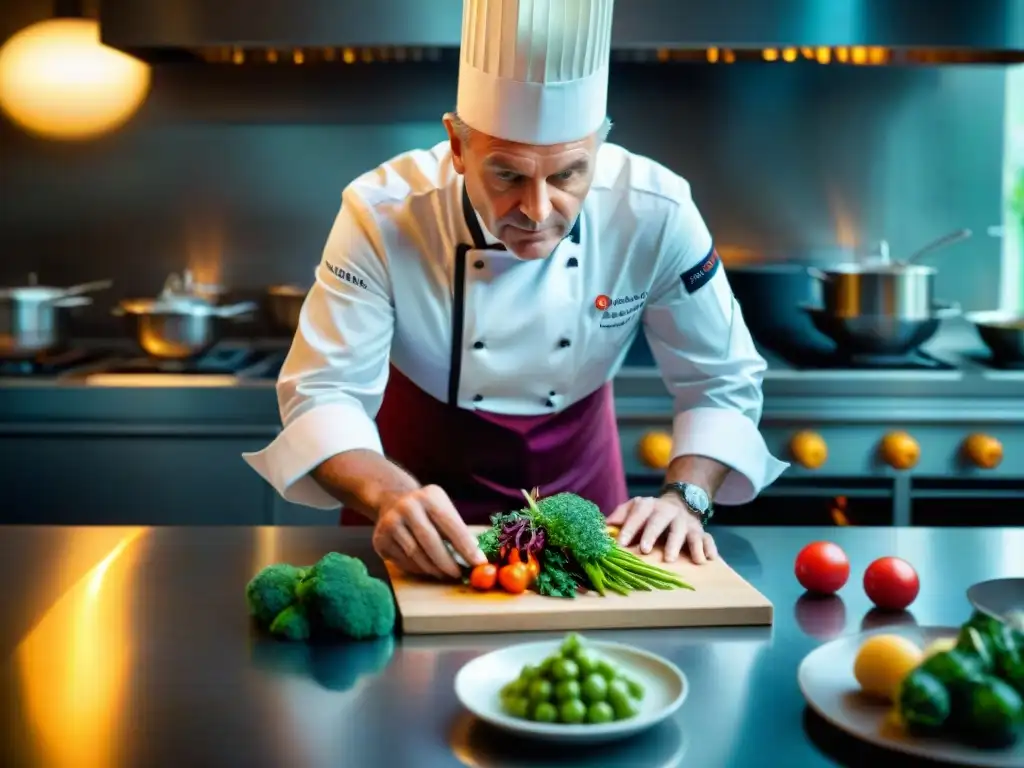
478 686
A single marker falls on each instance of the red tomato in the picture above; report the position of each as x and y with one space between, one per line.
891 583
822 567
483 577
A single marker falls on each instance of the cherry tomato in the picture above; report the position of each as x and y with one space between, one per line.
514 578
822 567
891 583
531 563
483 577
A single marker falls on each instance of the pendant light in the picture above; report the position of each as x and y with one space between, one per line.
58 81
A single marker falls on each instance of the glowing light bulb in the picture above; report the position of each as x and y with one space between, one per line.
58 81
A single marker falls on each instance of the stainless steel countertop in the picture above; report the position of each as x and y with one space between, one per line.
137 651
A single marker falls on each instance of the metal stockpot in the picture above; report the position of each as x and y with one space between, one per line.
882 287
904 292
31 317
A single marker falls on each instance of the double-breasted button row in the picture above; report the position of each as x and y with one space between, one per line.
563 343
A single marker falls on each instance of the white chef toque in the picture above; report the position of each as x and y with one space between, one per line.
535 71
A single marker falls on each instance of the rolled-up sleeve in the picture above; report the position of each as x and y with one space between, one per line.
332 382
707 359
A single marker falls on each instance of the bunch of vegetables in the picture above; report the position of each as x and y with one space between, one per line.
970 688
336 597
558 545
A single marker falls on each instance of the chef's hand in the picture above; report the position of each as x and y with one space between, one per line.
411 530
654 516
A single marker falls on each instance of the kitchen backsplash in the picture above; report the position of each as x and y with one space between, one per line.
239 173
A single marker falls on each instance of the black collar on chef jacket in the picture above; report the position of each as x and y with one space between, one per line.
459 299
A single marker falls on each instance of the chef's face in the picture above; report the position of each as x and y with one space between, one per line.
528 196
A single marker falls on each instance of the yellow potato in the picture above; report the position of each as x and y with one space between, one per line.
882 663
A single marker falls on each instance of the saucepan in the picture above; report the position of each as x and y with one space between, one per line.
881 287
284 303
31 318
178 326
1002 332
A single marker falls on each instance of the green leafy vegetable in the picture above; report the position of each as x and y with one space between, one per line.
488 542
555 579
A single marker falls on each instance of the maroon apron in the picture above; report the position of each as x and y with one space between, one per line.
484 460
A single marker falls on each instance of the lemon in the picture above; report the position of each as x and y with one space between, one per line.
882 663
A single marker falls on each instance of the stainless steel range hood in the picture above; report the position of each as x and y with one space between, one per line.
148 28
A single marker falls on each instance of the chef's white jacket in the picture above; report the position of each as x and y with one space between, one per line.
385 291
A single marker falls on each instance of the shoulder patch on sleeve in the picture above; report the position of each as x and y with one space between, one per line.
700 275
345 275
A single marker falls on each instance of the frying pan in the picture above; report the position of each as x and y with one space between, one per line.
771 296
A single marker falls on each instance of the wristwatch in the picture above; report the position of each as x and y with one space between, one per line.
693 496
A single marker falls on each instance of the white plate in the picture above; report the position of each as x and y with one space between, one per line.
827 682
478 686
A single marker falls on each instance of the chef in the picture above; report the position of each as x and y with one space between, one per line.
475 300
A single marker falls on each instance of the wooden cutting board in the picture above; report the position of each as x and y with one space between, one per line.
721 598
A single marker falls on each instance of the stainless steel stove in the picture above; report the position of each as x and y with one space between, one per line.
113 365
957 413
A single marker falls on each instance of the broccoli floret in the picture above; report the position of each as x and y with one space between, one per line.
573 523
291 623
335 562
342 597
271 591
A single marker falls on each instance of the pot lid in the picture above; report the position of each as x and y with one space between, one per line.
176 305
32 292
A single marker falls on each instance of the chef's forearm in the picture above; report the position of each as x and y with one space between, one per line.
698 470
363 480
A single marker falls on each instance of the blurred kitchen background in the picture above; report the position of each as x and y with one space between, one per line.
811 138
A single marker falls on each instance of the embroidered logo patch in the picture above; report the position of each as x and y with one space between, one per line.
345 275
602 302
620 310
701 274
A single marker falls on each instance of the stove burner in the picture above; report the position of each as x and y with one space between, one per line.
49 363
838 361
216 361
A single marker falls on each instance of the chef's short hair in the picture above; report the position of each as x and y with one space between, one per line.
463 130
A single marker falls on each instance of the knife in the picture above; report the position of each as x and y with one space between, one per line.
457 557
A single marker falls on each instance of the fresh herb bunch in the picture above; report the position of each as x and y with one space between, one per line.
569 538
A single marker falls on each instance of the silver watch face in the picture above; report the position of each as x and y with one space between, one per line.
697 498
